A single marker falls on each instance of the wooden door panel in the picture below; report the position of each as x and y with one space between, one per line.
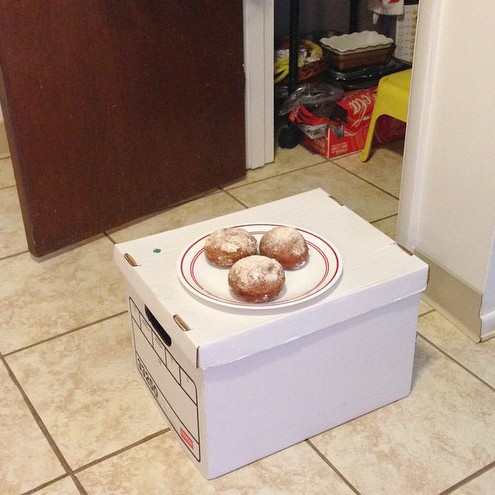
118 108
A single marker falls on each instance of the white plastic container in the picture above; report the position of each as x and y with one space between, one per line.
362 41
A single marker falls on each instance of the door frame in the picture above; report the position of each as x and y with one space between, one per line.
418 122
259 29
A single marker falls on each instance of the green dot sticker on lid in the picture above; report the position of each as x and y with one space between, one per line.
157 250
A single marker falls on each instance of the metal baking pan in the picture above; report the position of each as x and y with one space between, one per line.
364 77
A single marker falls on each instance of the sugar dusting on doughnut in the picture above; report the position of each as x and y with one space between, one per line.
226 246
285 244
256 279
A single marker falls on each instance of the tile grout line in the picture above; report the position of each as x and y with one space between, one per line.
429 311
227 191
67 332
46 485
451 358
331 466
110 238
121 451
9 256
7 187
489 466
469 478
384 218
314 165
233 188
43 428
367 181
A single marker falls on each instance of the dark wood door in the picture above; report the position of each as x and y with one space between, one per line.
115 109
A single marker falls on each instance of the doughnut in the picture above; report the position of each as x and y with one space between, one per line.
226 246
286 245
256 279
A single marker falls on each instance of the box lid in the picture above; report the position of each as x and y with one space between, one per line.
376 272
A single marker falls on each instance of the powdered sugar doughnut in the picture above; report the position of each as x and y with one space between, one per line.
226 246
286 245
256 279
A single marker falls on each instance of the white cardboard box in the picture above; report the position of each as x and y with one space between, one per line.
238 385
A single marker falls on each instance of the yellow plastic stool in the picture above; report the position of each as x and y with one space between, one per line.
392 98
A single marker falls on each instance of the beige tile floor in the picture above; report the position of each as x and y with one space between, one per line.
75 419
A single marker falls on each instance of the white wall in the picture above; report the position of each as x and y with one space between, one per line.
451 216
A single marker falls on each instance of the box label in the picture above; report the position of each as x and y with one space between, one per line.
172 388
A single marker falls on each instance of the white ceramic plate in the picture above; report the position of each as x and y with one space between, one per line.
317 275
362 41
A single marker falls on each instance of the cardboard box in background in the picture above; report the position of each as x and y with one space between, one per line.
339 140
237 385
342 138
405 31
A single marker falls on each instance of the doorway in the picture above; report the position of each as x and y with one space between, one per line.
321 15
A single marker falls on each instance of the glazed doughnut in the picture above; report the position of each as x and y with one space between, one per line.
256 279
226 246
286 245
